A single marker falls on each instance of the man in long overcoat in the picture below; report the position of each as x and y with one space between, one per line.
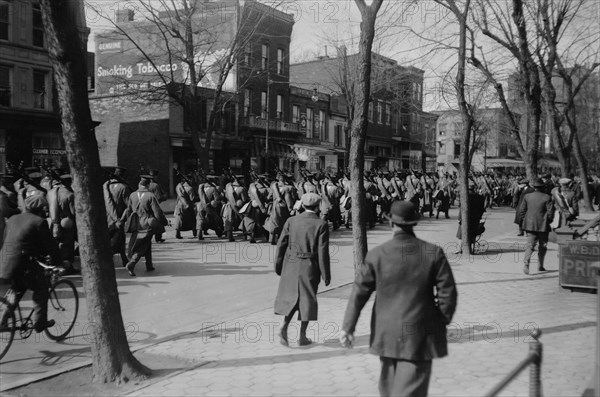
150 218
155 188
523 189
537 212
416 299
302 259
185 210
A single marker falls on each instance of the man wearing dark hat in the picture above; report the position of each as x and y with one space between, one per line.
537 212
27 236
116 197
149 218
160 195
416 299
301 259
29 186
523 189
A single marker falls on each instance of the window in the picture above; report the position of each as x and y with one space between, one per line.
5 86
4 20
264 57
247 54
338 138
263 105
388 114
39 89
370 116
309 122
280 61
279 106
37 26
295 114
322 127
456 149
379 112
247 101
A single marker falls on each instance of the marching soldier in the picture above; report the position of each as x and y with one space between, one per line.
61 203
185 214
142 216
256 212
116 199
208 209
281 207
160 195
236 196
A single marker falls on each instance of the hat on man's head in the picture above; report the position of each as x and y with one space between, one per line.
310 199
66 178
547 176
153 173
539 183
523 181
564 181
145 177
35 202
403 213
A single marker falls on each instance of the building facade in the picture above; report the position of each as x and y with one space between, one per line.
398 126
494 147
30 130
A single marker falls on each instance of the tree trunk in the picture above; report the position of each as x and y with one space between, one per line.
359 129
111 357
583 174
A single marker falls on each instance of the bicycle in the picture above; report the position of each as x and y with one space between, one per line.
63 306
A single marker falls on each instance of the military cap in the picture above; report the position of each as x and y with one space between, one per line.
310 199
564 181
539 183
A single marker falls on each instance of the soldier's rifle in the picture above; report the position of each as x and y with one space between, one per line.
49 170
18 171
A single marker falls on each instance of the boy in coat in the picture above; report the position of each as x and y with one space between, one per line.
301 259
416 299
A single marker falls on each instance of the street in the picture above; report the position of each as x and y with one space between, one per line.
227 290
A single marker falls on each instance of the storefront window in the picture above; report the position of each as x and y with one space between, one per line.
49 147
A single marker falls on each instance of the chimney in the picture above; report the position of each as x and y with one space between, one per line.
125 15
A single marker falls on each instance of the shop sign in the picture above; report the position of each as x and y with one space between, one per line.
51 152
303 122
111 46
575 263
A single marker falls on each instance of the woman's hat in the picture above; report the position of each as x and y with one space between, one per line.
403 213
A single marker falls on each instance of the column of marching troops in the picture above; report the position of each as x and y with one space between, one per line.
252 206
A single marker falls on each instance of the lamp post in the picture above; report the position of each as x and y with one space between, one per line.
267 125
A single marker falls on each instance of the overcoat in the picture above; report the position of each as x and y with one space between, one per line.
537 211
518 201
416 298
302 259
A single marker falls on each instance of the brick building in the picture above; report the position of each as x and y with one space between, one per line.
130 93
397 130
30 129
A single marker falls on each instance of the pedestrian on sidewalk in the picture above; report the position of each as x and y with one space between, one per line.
155 188
537 212
416 299
301 259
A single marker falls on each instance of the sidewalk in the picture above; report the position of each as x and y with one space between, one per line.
498 307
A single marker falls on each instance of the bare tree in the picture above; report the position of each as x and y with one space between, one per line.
560 25
207 43
112 361
358 128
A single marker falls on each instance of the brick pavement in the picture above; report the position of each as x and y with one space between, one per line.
498 307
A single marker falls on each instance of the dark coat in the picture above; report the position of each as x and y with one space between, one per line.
519 196
537 211
407 322
302 259
26 235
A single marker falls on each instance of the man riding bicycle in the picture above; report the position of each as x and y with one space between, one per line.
28 236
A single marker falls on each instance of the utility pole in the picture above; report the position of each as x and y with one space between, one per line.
267 113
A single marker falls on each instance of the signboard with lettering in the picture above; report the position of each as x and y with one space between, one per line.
575 261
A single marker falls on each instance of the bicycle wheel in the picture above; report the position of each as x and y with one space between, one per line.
8 326
63 306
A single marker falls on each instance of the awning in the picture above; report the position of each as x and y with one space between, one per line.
503 163
305 152
276 149
550 163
